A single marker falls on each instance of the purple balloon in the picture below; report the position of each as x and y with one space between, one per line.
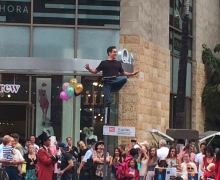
76 94
64 96
65 86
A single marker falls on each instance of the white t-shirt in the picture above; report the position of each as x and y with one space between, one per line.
17 156
162 152
199 159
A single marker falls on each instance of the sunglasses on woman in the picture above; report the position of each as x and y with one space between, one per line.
190 168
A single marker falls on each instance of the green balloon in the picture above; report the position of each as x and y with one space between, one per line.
70 91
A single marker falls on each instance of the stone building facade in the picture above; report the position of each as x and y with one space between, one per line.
144 102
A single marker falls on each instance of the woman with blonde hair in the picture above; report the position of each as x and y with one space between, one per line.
31 161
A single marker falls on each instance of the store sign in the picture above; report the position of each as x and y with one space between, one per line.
119 131
125 57
9 88
15 11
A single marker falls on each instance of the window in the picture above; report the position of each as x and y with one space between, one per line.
14 41
89 38
61 12
99 13
175 47
54 12
187 120
53 42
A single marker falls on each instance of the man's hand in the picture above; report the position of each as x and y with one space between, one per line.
78 172
87 67
61 173
135 73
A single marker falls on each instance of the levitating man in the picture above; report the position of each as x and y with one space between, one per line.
114 77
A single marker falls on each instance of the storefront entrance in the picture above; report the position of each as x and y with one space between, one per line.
16 117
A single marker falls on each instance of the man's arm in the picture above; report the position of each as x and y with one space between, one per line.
130 74
70 165
94 71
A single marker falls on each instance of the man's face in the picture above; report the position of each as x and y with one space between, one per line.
27 143
32 138
62 150
69 142
191 149
113 54
13 143
47 143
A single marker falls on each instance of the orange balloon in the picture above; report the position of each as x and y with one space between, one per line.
78 88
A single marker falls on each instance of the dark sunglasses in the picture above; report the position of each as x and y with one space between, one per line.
190 168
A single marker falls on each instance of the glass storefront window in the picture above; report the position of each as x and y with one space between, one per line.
99 13
92 110
17 11
54 12
53 42
14 41
48 105
88 39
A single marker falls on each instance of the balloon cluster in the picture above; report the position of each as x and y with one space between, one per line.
73 88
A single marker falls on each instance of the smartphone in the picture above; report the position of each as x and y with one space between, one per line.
133 140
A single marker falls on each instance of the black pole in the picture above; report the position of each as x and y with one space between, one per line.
107 116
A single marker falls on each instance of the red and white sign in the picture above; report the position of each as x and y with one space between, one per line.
9 88
119 131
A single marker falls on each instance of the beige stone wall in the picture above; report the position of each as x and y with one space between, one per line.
206 30
148 19
144 100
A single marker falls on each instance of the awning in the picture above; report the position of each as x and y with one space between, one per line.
160 134
208 134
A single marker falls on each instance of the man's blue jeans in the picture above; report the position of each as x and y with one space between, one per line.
12 173
112 85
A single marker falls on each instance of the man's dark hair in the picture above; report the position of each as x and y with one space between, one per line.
110 48
15 135
133 152
202 144
122 146
68 138
26 140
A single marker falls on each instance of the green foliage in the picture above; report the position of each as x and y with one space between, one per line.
211 92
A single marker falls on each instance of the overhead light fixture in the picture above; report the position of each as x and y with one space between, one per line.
90 109
80 131
99 114
102 95
95 84
89 95
95 117
9 95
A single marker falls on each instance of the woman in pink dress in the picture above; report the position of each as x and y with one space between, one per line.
42 98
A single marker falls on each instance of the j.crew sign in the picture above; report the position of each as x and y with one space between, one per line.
9 88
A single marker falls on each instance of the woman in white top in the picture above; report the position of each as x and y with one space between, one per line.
191 169
142 159
184 167
172 160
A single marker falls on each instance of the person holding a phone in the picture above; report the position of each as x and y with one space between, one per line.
115 162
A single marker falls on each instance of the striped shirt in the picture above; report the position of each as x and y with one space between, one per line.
8 153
